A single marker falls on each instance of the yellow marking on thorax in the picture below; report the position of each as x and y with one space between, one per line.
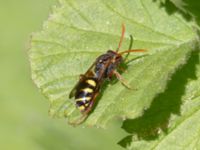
87 90
91 82
83 99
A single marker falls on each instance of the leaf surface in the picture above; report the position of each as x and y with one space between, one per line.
78 31
172 120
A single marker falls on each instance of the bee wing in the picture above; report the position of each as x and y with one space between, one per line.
73 91
89 73
82 77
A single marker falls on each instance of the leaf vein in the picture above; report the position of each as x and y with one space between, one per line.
135 22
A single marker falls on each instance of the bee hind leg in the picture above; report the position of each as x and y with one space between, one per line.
85 113
89 108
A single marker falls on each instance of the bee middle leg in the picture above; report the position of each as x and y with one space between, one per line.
122 80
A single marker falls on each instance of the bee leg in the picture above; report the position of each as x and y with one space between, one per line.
81 119
91 104
88 109
122 80
122 69
78 121
85 113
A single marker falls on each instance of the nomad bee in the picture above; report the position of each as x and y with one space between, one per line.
89 84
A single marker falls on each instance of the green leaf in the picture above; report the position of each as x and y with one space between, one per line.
78 31
172 120
189 9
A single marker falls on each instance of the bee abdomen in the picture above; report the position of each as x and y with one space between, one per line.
85 94
83 103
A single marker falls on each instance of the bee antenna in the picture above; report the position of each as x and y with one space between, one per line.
132 50
131 42
130 47
121 38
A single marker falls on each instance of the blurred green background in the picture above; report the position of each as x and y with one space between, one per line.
24 120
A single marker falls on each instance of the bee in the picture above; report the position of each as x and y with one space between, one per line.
104 67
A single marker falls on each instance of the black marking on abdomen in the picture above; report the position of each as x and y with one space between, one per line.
85 93
82 94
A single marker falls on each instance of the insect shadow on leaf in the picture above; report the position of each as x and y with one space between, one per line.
157 116
189 9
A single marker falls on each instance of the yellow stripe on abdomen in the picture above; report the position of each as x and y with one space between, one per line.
81 108
83 99
87 90
91 82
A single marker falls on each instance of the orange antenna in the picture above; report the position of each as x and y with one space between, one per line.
121 38
133 50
